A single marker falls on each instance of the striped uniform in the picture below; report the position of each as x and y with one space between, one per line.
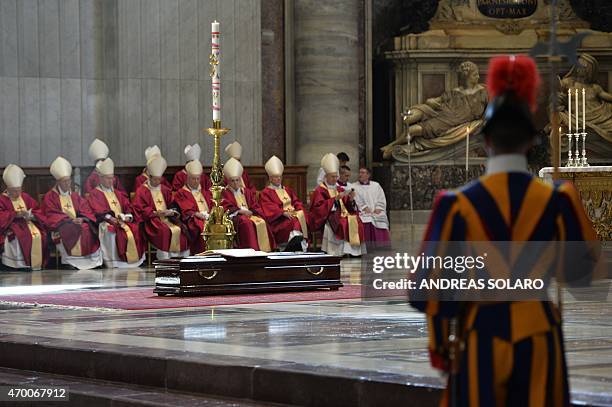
513 352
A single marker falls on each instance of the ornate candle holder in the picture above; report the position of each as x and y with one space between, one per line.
570 159
577 160
219 229
583 161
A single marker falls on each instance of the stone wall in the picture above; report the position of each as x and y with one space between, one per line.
131 72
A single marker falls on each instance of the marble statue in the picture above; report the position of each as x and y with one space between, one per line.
442 121
598 107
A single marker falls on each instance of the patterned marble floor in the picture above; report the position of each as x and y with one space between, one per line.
386 339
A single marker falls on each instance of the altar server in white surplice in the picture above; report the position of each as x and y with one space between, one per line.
372 204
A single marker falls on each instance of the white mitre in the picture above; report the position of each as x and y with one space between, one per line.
106 167
274 166
330 163
151 152
192 152
232 168
194 168
98 150
13 176
234 150
60 168
156 166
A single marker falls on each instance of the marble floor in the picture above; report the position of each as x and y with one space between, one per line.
373 340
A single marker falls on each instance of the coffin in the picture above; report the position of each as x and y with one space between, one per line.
219 274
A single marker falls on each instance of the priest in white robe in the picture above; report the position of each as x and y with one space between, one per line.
372 204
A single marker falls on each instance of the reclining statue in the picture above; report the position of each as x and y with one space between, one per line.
442 121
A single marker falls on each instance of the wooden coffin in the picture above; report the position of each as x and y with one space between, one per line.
200 275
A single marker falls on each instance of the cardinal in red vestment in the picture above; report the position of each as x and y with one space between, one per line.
283 210
194 203
150 153
162 223
334 210
234 150
71 221
98 151
122 243
21 224
252 231
192 153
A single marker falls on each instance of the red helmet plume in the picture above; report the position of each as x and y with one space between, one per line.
517 73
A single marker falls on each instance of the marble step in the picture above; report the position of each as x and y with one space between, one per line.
94 393
261 380
157 374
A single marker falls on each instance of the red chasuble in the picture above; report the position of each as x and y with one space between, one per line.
130 243
251 231
78 240
344 221
143 177
191 203
180 178
31 235
94 180
274 203
166 234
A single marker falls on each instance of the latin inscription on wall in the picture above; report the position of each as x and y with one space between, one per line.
507 8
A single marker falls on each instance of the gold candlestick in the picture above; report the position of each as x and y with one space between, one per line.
219 229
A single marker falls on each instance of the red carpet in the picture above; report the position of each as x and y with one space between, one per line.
143 298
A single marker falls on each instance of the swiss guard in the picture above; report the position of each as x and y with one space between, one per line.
504 353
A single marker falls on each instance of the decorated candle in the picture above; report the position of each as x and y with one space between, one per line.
214 73
467 152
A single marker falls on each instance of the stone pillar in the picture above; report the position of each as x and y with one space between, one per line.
327 67
272 77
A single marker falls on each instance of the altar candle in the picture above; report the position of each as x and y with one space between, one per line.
577 111
467 151
559 135
569 110
216 82
583 111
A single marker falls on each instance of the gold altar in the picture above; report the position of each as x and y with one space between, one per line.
595 187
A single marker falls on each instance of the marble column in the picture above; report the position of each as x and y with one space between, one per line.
327 85
272 77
